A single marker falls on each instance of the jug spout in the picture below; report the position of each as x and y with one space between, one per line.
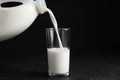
41 6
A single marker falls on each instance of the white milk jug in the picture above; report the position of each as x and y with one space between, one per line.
17 15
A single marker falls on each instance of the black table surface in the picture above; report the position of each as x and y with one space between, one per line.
34 67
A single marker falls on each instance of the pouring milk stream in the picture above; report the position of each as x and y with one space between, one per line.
58 58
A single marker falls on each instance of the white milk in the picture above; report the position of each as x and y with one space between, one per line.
55 26
58 60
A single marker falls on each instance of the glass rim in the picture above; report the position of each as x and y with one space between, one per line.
67 28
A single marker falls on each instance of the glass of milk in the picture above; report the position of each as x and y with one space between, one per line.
58 51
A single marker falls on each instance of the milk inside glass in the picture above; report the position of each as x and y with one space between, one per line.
58 60
58 57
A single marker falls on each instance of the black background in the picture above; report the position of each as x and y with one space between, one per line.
92 23
94 34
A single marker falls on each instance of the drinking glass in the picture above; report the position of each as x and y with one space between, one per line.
58 56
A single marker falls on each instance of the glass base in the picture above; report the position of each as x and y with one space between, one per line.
56 74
